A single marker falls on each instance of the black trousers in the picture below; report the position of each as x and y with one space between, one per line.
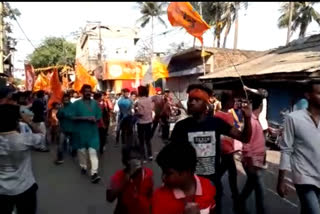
228 164
165 128
26 202
144 135
103 138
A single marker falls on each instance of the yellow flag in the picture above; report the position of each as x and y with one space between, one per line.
159 69
205 53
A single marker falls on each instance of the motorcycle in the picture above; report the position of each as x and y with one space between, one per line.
275 130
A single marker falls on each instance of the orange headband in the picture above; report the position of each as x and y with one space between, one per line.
198 93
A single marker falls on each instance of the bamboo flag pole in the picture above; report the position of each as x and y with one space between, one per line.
202 46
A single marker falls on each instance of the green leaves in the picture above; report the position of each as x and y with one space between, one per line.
53 51
151 9
302 15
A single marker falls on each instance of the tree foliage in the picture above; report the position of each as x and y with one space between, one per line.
53 51
219 15
150 10
302 15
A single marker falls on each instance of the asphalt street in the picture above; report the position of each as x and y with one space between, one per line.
63 190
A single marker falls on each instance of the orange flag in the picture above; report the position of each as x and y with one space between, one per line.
42 83
182 14
83 77
56 89
152 90
65 83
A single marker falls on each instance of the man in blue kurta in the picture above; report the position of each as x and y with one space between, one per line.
86 113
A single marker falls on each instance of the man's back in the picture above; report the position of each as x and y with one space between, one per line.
38 108
125 106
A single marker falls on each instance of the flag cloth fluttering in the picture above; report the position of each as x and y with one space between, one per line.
42 83
56 89
158 70
30 77
83 77
182 14
152 90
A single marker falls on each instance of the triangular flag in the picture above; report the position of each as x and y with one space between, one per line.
83 77
56 89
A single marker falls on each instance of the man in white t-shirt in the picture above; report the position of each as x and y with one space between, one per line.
18 187
263 115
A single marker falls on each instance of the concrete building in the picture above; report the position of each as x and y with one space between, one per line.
100 43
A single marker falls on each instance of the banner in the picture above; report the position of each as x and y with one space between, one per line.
122 70
183 15
56 89
42 83
158 69
83 77
30 77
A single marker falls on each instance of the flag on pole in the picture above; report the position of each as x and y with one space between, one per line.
152 90
56 89
157 70
182 14
30 77
42 83
83 77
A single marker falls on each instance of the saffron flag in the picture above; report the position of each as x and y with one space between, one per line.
83 77
152 90
56 89
30 77
157 70
42 83
65 82
182 14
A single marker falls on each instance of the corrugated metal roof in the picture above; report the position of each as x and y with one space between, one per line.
301 55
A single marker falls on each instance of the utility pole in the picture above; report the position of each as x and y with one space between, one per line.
236 26
290 20
1 37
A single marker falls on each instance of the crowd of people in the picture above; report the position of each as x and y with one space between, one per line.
195 156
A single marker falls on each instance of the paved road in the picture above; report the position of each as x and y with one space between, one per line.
63 190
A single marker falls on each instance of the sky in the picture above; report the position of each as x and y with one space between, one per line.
257 25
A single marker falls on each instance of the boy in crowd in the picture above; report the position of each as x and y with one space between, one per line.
203 132
144 108
183 192
227 145
254 158
66 128
132 186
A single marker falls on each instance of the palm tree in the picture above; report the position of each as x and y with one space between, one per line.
150 11
229 16
302 15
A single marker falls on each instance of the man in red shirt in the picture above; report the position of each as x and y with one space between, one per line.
183 192
132 186
227 144
254 158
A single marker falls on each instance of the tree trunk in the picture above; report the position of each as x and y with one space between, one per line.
236 26
226 33
152 36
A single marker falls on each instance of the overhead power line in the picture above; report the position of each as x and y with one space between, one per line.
14 17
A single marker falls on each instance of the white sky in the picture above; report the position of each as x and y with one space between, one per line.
257 26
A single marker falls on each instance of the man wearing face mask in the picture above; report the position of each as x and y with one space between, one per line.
131 186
